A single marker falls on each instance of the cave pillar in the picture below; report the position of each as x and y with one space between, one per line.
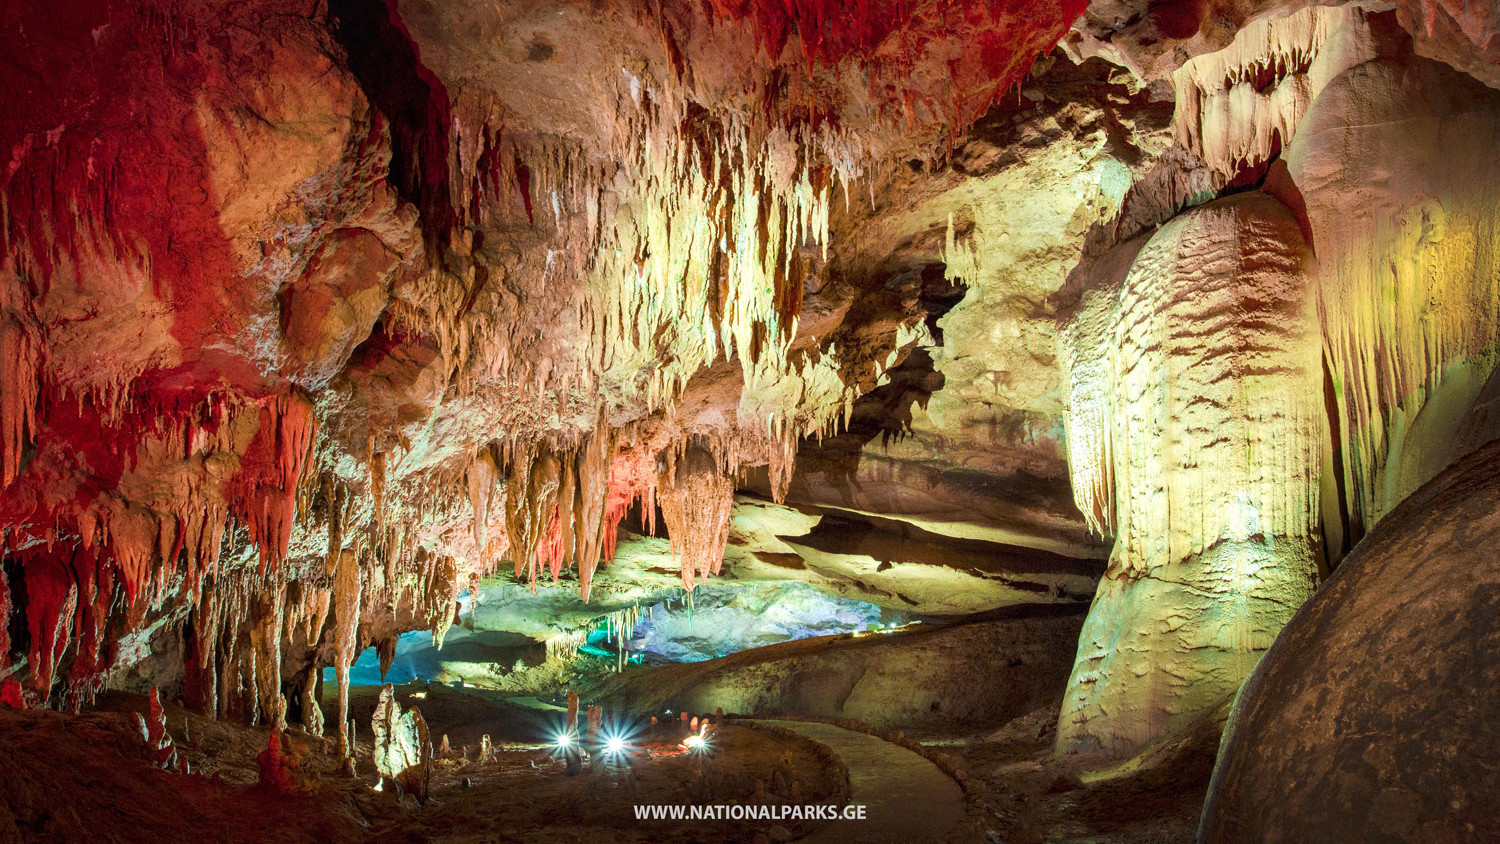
265 636
1195 432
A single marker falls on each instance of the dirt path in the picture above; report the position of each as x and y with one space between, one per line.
907 799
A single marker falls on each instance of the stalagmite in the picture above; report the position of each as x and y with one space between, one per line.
312 713
153 729
283 766
594 731
1195 429
402 748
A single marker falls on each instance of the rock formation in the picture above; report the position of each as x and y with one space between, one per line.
283 765
423 325
1195 433
153 729
402 746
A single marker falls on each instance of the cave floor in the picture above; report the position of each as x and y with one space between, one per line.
1021 792
84 778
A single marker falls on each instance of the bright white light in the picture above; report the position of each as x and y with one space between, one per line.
564 740
614 745
694 742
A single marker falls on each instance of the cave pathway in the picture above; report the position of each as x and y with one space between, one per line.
908 799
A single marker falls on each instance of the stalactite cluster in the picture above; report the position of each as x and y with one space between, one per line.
1239 106
284 363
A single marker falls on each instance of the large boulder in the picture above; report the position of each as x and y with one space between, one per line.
1376 714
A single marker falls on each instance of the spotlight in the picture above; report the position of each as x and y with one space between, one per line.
565 740
695 743
614 745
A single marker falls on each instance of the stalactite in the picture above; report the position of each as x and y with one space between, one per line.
480 478
385 652
620 626
530 502
701 256
264 493
51 603
92 649
696 492
20 387
563 647
377 490
591 516
439 596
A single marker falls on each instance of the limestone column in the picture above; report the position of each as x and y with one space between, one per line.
1195 431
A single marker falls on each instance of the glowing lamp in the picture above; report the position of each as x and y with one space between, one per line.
614 745
565 740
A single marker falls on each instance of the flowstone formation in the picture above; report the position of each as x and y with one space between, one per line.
1196 434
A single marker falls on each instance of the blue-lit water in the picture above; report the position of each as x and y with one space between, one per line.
416 659
723 619
729 618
